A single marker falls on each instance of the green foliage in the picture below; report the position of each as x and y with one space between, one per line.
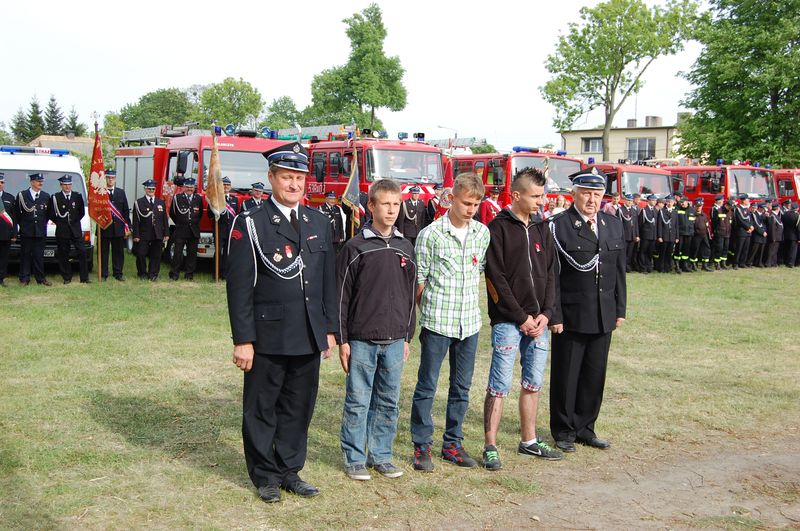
6 138
282 113
747 95
600 61
232 101
19 127
369 81
161 107
488 148
53 118
74 124
34 119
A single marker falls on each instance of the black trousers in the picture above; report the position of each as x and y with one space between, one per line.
32 250
630 248
190 263
701 249
741 246
665 260
62 252
790 252
279 397
719 248
116 244
148 258
772 254
646 255
577 378
5 245
756 255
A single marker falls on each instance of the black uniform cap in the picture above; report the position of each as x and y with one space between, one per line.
291 156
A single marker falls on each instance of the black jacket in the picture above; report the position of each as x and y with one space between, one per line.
31 215
149 222
225 217
630 224
377 282
667 225
520 270
791 231
774 228
742 221
186 215
335 214
67 215
120 201
647 223
720 221
8 230
589 302
411 218
282 285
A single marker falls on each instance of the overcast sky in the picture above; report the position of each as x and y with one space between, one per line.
470 66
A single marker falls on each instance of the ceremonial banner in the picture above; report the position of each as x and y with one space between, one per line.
351 196
99 205
215 193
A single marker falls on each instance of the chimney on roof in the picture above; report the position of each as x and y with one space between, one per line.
652 121
631 122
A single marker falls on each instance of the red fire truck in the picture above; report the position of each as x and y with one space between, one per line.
160 153
410 163
730 180
788 181
495 168
634 178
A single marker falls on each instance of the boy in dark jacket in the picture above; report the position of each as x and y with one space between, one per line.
521 302
377 276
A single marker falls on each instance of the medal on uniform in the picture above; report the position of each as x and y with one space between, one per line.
276 219
305 218
578 223
277 257
287 250
602 222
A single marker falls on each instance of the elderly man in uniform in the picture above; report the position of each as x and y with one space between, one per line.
150 232
113 237
412 215
186 211
591 304
336 216
283 312
8 228
31 215
224 223
66 210
256 196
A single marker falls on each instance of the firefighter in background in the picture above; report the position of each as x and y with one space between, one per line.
8 228
720 232
701 246
412 215
774 234
224 224
335 213
489 206
150 232
758 239
66 210
30 213
432 208
113 238
666 236
791 232
256 196
186 211
742 229
685 231
630 229
647 234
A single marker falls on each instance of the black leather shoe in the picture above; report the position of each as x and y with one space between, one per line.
153 278
87 281
120 278
25 282
595 442
565 446
301 488
269 494
66 281
46 282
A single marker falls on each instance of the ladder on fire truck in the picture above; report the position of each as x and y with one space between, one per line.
159 135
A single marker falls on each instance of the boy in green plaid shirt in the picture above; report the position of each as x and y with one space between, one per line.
451 254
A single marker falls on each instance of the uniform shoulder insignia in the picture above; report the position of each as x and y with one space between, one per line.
252 210
314 212
555 217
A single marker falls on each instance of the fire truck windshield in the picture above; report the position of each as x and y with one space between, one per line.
646 183
243 168
755 183
558 174
405 166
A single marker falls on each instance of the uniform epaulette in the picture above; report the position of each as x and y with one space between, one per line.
316 212
252 210
555 216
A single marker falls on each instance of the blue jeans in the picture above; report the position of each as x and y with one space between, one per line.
506 341
462 362
371 405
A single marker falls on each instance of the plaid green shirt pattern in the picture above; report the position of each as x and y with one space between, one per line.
451 274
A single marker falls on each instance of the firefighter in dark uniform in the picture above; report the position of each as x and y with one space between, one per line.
224 224
150 232
8 228
720 232
256 196
666 235
685 215
66 210
630 227
791 232
774 234
31 208
433 204
758 239
742 229
591 295
114 236
283 312
647 234
412 215
186 211
336 216
700 251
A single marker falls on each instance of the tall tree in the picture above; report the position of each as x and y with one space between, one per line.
19 127
53 118
74 125
161 107
232 101
601 60
35 119
747 95
281 113
369 81
5 137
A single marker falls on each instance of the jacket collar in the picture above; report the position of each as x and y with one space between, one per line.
369 233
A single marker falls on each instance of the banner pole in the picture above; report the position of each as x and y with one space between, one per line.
99 251
216 248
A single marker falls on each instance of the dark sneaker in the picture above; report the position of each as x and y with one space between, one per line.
491 459
456 454
422 458
387 470
357 472
540 449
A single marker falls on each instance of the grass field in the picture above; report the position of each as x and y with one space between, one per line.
120 408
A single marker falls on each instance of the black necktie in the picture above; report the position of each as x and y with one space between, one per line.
35 197
293 221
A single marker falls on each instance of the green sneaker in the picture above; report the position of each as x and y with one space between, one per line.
491 459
